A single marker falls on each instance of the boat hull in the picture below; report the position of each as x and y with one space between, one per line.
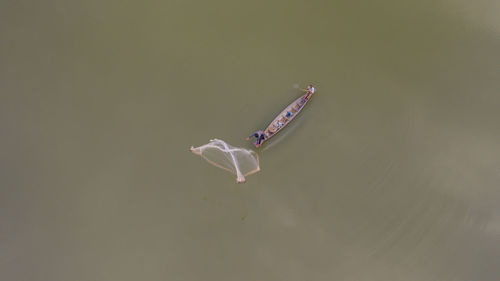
286 116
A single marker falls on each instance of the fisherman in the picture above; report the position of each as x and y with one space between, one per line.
259 135
309 91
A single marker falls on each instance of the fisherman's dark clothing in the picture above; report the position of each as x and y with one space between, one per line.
259 135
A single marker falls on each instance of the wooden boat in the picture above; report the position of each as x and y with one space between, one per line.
285 117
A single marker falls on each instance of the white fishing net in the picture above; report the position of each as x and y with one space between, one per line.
239 161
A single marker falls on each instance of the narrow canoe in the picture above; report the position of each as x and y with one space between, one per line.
287 115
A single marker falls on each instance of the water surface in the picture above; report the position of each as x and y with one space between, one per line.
390 173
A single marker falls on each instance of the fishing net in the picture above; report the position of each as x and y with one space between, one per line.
239 161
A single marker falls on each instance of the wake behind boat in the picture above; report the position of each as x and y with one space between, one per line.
284 118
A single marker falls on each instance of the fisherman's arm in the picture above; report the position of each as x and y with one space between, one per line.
252 135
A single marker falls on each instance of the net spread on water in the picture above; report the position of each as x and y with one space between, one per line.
239 161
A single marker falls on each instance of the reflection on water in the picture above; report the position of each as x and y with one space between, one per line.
390 173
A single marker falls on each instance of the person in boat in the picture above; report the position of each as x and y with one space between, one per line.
259 135
310 89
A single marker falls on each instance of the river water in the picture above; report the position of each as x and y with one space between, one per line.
391 172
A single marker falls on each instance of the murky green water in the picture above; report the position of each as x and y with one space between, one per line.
391 172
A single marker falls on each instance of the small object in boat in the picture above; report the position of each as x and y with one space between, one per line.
284 117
